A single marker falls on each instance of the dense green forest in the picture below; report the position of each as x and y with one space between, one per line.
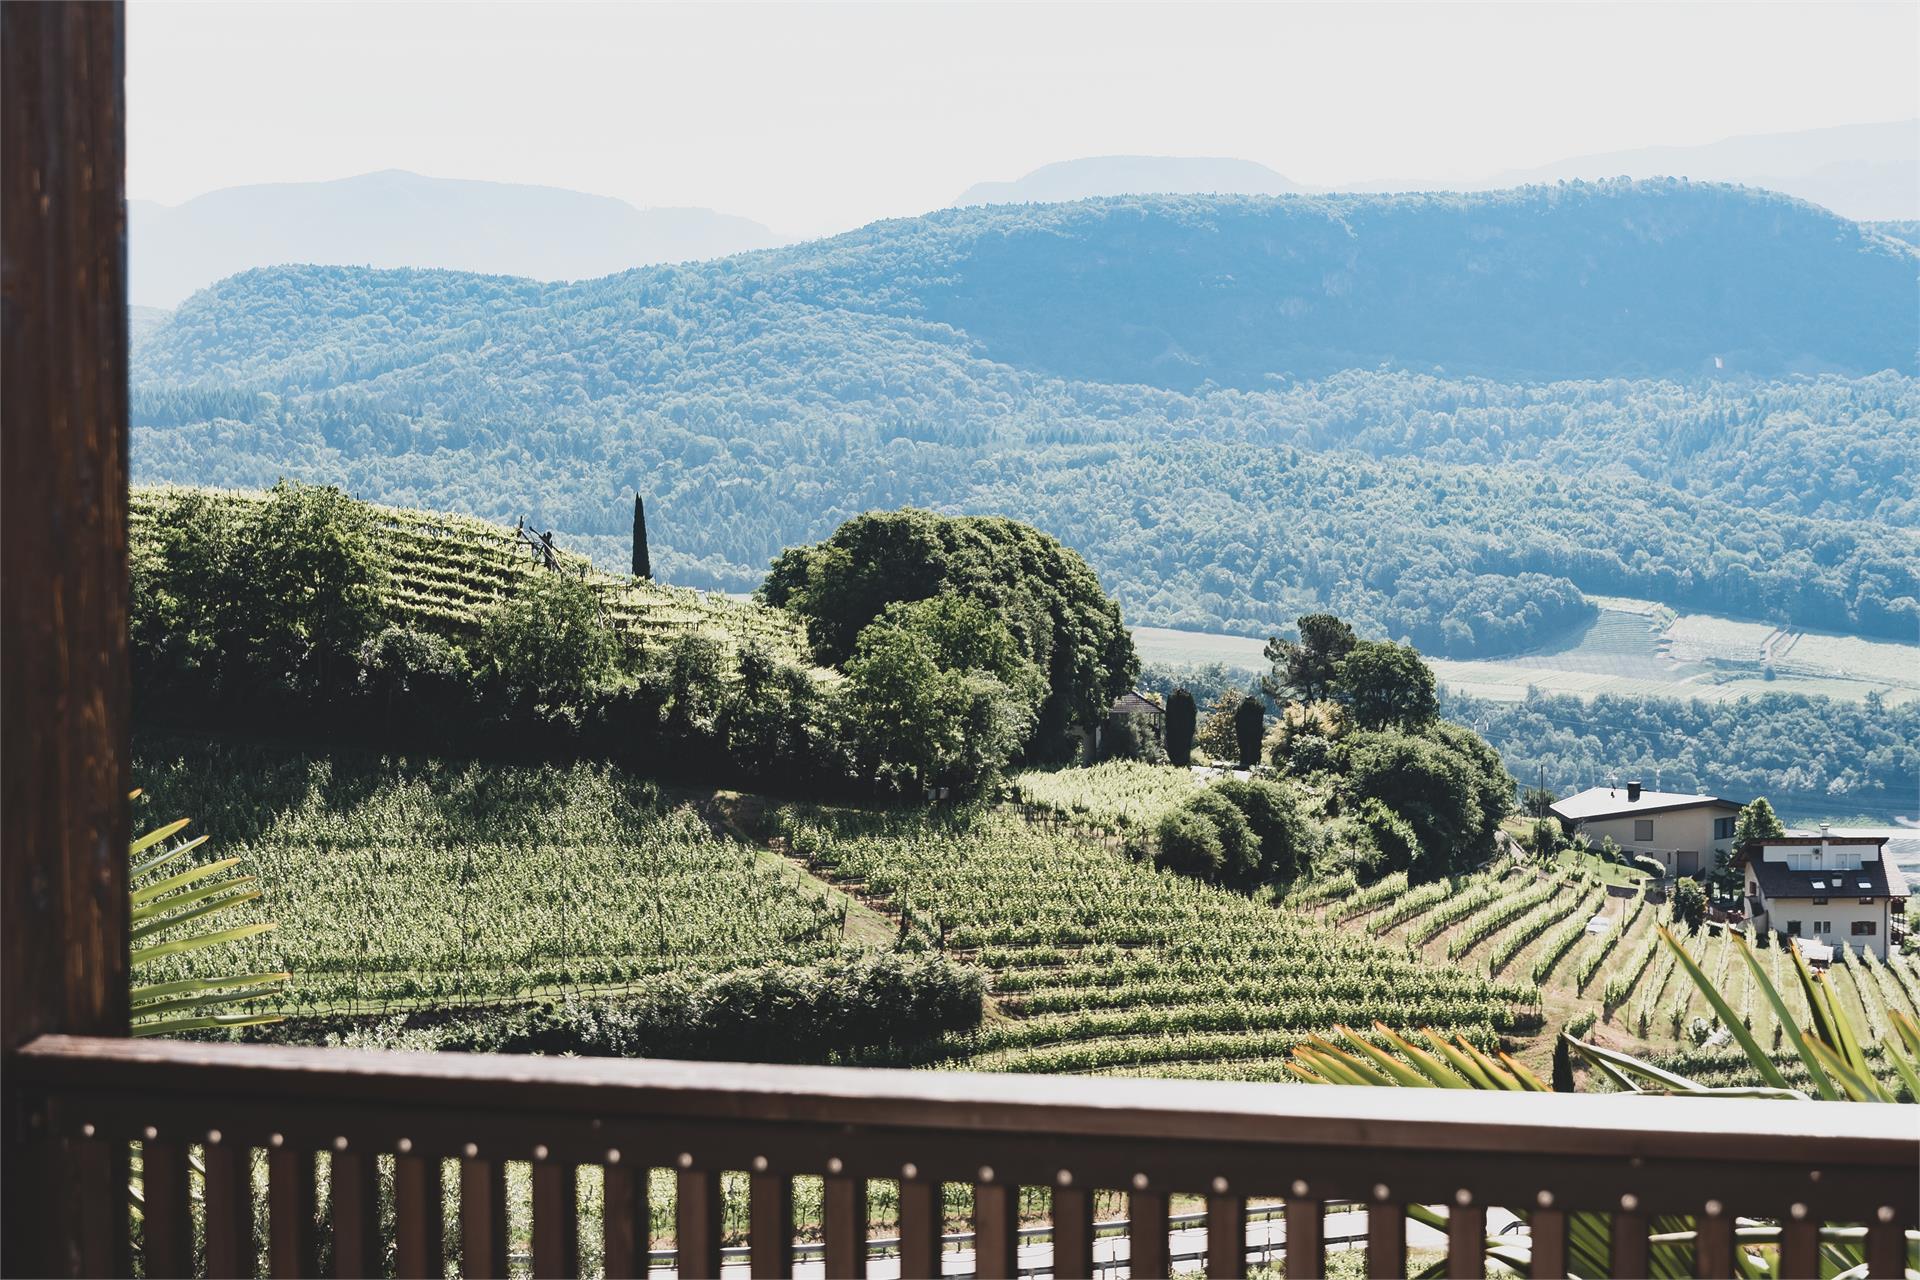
1819 757
1444 417
1813 757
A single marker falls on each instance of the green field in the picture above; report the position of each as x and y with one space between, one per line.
1635 648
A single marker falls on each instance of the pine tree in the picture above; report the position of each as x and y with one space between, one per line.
1182 717
642 563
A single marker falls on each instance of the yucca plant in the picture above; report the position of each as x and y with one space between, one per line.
1830 1049
169 905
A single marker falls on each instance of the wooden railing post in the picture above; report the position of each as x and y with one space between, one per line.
63 602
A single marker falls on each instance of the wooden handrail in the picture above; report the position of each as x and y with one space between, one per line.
1803 1164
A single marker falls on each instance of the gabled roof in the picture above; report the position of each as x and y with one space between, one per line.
1135 703
1868 880
1612 802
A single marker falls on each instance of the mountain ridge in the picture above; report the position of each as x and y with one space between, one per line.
393 217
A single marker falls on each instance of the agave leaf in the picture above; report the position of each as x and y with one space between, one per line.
174 1026
1908 1070
159 860
145 916
142 955
1488 1065
156 835
1403 1075
1861 1086
1529 1082
187 877
201 1002
1822 1084
232 899
1467 1067
1436 1071
1343 1063
1668 1081
167 990
1761 1060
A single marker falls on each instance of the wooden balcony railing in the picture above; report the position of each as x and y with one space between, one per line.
88 1101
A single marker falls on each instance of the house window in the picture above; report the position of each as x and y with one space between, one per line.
1723 828
1642 830
1822 926
1863 928
1819 902
1793 928
1866 902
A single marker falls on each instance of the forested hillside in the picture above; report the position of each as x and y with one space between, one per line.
1237 409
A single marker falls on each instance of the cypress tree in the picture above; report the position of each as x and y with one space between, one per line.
1249 724
1182 716
1562 1066
642 563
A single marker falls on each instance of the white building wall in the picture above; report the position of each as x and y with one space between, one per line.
1838 914
1673 830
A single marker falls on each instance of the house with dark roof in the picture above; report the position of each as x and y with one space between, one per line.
1829 889
1681 830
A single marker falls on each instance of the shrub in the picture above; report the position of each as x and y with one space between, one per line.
1239 847
1274 817
1689 903
1189 842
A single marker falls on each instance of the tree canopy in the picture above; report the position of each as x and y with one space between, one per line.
1050 603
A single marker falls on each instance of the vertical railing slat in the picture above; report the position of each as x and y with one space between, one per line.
1549 1228
996 1231
167 1211
94 1205
419 1241
1467 1242
1147 1229
770 1226
1886 1250
556 1220
229 1209
696 1220
292 1246
1799 1249
355 1193
843 1204
920 1226
1713 1246
626 1223
1306 1229
1386 1241
1072 1233
1629 1243
483 1218
1227 1237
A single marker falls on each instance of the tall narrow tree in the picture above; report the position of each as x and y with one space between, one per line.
1182 716
1249 724
642 563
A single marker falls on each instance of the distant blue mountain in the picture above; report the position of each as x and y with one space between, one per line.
1133 175
1448 417
398 219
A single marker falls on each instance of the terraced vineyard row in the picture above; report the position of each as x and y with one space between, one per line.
1104 964
401 885
446 571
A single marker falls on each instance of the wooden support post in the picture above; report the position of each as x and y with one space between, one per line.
63 593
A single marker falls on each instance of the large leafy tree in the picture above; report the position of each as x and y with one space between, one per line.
1304 670
1444 782
1049 601
546 645
1385 685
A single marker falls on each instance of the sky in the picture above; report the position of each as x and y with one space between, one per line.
816 118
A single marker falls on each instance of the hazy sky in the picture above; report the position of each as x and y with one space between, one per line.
814 118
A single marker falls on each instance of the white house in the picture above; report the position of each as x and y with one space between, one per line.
1683 831
1827 888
